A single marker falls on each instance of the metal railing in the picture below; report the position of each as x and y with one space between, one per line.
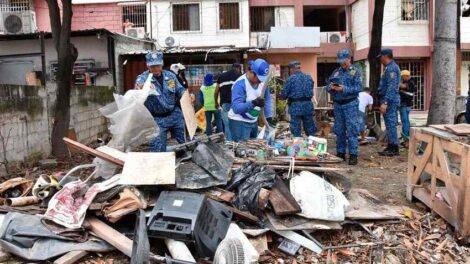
414 10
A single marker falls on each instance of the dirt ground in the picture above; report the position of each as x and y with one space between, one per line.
384 177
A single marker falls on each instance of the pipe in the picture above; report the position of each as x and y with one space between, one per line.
21 201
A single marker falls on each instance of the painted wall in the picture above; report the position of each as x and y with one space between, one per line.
89 16
210 35
402 33
360 24
464 78
26 117
284 16
465 29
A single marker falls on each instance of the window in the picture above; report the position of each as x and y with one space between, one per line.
414 10
229 16
15 5
416 69
134 16
186 17
262 19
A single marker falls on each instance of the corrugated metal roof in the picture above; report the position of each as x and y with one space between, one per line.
188 50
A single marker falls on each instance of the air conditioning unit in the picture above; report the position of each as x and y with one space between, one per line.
263 40
337 37
323 37
19 22
136 32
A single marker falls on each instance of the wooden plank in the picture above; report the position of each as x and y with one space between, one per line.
366 206
189 114
220 195
243 215
306 168
110 235
79 146
440 127
149 168
439 133
459 129
71 257
260 243
295 222
282 200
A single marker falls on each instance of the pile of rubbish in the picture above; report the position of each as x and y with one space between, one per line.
204 201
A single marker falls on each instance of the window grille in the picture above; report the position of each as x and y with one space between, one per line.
418 74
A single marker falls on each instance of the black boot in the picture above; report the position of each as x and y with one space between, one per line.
392 151
341 156
381 153
352 160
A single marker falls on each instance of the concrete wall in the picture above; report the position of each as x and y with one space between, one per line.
360 24
402 33
210 35
26 117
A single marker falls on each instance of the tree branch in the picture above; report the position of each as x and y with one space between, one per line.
56 25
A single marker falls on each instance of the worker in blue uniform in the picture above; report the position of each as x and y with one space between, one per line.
344 85
298 90
164 104
389 97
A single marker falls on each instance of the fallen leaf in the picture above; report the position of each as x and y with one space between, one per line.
346 252
433 237
408 244
408 213
441 245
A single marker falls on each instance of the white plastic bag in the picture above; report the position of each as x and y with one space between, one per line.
318 198
267 134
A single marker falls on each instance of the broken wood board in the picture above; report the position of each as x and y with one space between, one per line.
220 195
282 200
149 168
189 115
79 146
459 129
260 243
439 133
306 168
243 215
285 223
366 206
301 240
110 235
71 257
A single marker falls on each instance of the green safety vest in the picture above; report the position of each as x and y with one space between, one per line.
208 93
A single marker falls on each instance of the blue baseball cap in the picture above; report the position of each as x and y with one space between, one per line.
342 55
208 79
154 58
294 64
261 68
385 52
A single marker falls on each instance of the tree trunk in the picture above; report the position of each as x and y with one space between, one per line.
375 46
442 109
61 27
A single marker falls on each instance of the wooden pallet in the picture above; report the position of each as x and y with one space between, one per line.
446 161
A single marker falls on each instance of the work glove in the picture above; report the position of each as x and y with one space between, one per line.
258 102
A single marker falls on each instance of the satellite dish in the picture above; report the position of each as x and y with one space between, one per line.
230 251
169 41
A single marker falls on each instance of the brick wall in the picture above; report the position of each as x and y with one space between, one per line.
26 117
108 16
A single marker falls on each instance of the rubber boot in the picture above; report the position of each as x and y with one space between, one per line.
392 151
341 156
381 153
352 160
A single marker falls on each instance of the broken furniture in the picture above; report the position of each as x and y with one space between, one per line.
439 174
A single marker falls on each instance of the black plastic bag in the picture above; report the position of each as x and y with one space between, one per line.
213 159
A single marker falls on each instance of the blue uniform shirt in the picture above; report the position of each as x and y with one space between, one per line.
390 84
298 90
350 78
168 96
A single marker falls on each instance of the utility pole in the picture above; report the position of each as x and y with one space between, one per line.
444 63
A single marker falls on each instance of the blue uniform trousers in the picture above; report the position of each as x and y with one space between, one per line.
174 123
243 130
346 127
296 125
391 123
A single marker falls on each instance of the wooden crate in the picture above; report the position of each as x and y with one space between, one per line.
446 161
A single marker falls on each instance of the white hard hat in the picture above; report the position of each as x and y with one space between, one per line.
177 67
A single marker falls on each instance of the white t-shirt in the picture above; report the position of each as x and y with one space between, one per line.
365 99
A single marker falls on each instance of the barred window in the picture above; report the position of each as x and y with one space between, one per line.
229 16
186 17
134 16
262 19
418 74
414 10
15 5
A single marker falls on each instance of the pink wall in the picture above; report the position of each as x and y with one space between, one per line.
88 16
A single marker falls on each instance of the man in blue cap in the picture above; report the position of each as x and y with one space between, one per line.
389 97
247 101
344 85
164 106
298 90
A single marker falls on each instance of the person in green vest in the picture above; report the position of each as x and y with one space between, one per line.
206 95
